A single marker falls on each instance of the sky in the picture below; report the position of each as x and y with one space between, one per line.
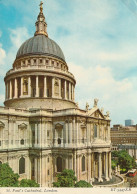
98 39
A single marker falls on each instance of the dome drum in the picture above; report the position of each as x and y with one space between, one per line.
45 103
38 86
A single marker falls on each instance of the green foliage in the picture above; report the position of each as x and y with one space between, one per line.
114 154
7 177
28 183
66 178
82 183
113 164
123 159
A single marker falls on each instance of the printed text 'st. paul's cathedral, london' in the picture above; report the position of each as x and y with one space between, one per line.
42 129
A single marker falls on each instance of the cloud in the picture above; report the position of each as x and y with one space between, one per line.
17 37
114 95
2 55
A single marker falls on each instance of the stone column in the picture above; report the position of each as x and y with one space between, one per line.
74 132
53 82
100 168
89 167
75 163
45 135
3 138
15 88
21 88
70 132
36 169
110 176
108 128
37 86
43 171
106 166
92 165
14 134
66 130
29 86
67 166
77 167
88 134
10 89
7 90
40 133
40 170
59 88
45 87
69 91
77 141
18 137
36 134
46 171
65 90
72 92
80 161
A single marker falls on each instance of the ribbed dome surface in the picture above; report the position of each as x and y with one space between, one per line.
40 44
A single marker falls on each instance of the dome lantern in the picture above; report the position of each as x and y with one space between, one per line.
41 25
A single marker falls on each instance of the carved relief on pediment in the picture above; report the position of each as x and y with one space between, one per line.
58 126
97 114
22 126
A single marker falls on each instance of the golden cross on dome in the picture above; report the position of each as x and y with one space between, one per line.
41 8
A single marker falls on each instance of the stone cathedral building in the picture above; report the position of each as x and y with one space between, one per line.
42 129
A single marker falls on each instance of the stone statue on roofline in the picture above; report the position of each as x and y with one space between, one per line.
87 106
96 102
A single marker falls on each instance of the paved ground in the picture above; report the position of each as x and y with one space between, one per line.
132 179
114 180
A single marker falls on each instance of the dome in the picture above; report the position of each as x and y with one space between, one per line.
40 45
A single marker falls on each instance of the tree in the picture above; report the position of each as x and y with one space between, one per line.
82 183
123 159
113 164
10 179
7 177
66 178
28 183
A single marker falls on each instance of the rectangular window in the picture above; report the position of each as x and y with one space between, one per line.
47 133
48 172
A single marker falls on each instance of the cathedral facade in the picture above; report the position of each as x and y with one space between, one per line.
42 129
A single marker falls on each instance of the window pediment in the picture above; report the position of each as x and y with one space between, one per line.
58 126
2 125
22 126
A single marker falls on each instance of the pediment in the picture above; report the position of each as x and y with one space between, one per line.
95 112
58 126
22 126
2 125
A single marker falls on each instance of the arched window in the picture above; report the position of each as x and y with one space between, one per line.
95 131
83 163
22 165
59 164
22 142
59 141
